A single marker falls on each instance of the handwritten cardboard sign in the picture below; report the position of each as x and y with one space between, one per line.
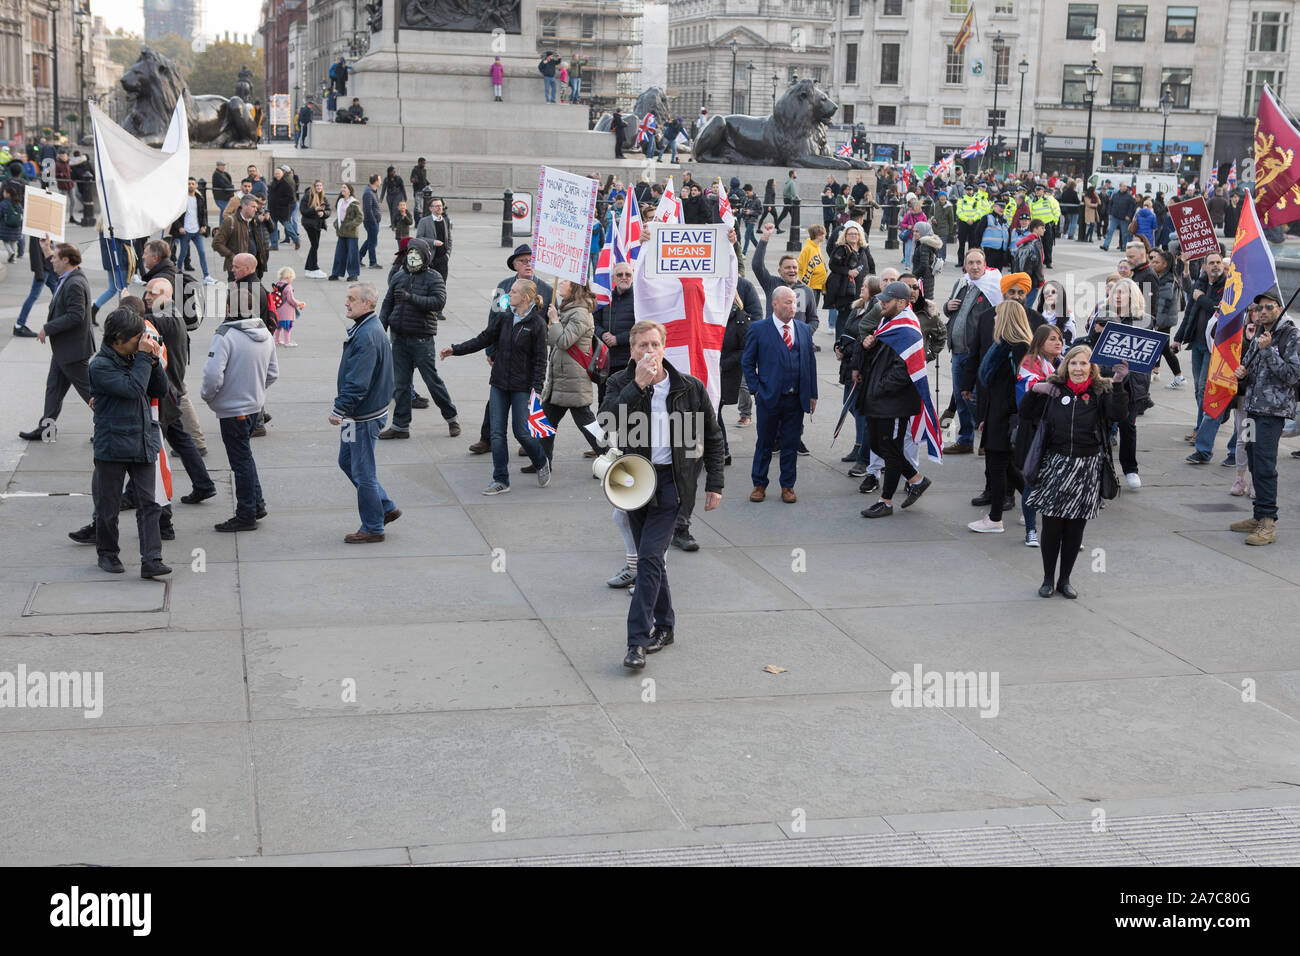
1140 348
566 208
1195 228
684 251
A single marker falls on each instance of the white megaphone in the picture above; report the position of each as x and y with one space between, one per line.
629 481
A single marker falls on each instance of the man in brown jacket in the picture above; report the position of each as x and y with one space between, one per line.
241 233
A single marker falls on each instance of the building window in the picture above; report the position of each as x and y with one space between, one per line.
889 63
1255 81
1004 8
1125 86
886 115
816 74
855 8
893 8
548 24
848 113
996 119
1074 87
819 37
1180 25
1002 66
1081 21
952 116
851 63
1131 22
954 71
1268 30
40 29
1179 83
40 70
588 26
958 6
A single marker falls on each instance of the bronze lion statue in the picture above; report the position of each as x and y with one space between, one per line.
794 135
153 84
651 100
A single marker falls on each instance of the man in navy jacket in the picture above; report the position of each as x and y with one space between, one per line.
781 373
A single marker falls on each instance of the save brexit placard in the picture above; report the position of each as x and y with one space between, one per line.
1195 228
566 210
1140 348
684 251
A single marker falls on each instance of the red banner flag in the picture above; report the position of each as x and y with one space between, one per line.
1277 163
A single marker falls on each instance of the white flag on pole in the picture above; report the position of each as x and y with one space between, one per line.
141 189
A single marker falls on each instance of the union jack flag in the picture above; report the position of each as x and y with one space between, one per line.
646 129
1031 373
1232 176
724 206
944 166
628 246
1209 186
538 426
602 280
845 150
903 334
977 148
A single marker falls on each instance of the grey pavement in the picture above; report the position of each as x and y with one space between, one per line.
456 693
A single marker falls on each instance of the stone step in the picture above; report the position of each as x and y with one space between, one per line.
429 141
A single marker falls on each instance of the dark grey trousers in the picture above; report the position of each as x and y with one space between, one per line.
106 487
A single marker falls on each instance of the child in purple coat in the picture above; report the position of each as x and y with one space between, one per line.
498 76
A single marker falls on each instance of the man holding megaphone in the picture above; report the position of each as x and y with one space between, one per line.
664 416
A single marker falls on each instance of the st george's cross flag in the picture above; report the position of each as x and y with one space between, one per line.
670 207
1250 272
646 130
724 207
538 426
977 148
903 334
694 312
162 471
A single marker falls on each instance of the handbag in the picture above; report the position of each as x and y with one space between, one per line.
1109 479
596 364
1133 226
1034 457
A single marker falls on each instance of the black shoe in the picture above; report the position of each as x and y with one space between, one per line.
234 524
335 278
261 512
258 432
94 311
167 534
128 503
529 469
194 497
34 435
266 417
154 569
683 540
1009 503
23 332
1045 589
851 456
110 563
803 450
84 535
1066 589
660 638
419 401
726 460
916 490
635 657
869 484
983 500
878 510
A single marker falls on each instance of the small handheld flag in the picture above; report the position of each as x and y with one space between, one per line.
538 426
1232 176
646 130
845 150
670 207
977 148
724 206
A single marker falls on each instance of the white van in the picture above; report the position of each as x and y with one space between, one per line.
1144 182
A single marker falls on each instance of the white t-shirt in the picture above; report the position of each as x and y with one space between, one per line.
661 448
192 215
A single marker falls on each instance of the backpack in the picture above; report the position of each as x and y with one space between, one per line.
275 297
13 215
1021 256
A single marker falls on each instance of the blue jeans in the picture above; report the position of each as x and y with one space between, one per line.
749 227
371 245
116 283
357 459
1030 513
1071 220
859 426
1116 225
1262 455
1207 431
185 449
291 227
965 409
781 422
549 88
236 435
907 251
668 147
1030 298
1200 371
411 354
221 208
575 88
652 530
51 281
515 405
198 247
300 137
347 261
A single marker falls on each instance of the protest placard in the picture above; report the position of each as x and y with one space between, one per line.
1140 348
1196 235
566 209
685 251
43 214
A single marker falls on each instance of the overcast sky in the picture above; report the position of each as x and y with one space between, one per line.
237 16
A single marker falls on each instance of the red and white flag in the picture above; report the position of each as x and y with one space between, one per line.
162 472
724 207
846 149
694 311
670 207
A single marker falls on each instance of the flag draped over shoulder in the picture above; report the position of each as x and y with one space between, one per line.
141 190
1250 272
903 334
694 311
1277 163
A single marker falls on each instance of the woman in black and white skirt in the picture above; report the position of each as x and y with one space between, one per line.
1077 407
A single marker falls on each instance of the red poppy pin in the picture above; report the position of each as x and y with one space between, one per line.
1085 396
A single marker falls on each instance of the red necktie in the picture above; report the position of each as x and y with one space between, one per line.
785 334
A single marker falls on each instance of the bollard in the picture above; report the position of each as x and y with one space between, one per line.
793 243
203 197
891 234
507 219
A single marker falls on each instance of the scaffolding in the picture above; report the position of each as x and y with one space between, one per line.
607 35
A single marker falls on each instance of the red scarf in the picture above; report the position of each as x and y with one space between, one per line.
1078 387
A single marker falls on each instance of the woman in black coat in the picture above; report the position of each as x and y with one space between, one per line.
315 211
1078 407
392 191
1039 363
769 204
850 262
733 348
997 406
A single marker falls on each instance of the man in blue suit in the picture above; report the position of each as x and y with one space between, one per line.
781 373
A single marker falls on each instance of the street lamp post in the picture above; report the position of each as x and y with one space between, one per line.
1023 67
1166 104
54 46
1091 76
749 90
83 23
773 92
998 44
735 48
